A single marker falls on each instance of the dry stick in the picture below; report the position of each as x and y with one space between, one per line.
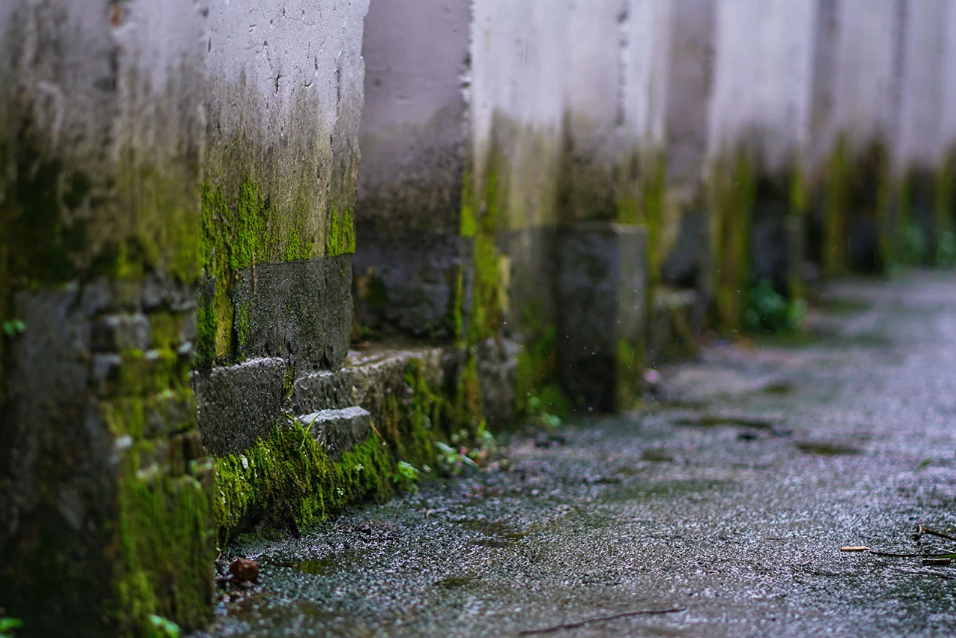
575 625
920 530
891 555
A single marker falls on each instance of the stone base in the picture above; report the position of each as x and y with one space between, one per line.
673 326
601 292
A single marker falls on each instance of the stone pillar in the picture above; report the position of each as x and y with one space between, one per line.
759 129
854 117
105 490
919 150
679 305
410 258
510 207
283 104
612 194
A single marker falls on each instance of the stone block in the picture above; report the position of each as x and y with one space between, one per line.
338 431
322 390
300 311
239 404
601 292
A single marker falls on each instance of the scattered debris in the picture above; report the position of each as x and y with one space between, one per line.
557 628
937 561
925 531
854 548
244 570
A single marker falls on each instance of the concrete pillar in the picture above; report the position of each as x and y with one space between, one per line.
410 257
283 102
759 130
105 489
919 148
510 205
853 123
683 250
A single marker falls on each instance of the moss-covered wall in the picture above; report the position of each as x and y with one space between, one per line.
266 200
105 490
857 194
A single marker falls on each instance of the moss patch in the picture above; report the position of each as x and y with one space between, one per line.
732 191
288 480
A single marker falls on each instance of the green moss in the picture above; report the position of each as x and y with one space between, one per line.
629 360
732 192
167 545
855 185
653 195
288 478
341 238
943 213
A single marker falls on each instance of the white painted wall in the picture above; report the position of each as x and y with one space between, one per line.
763 71
646 56
921 108
414 122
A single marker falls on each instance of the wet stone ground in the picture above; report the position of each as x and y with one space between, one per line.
729 501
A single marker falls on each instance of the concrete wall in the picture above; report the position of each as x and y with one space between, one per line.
409 256
105 494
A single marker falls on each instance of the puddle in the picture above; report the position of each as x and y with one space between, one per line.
824 448
718 420
494 543
456 582
497 529
654 456
322 566
666 488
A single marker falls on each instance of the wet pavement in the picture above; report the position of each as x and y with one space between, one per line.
725 506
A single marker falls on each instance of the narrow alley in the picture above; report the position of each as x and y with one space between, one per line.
729 500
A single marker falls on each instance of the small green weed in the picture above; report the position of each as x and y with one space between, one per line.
770 311
407 473
12 327
8 626
946 250
912 246
160 627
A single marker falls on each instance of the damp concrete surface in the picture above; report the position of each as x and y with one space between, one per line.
724 504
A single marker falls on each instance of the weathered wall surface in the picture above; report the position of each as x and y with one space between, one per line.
410 257
105 494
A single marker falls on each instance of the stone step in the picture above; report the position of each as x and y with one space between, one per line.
338 431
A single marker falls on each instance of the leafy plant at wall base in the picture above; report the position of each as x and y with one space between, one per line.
12 327
8 625
946 250
407 473
912 244
162 628
770 311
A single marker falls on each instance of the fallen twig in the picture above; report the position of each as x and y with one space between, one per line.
920 531
937 561
891 555
575 625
